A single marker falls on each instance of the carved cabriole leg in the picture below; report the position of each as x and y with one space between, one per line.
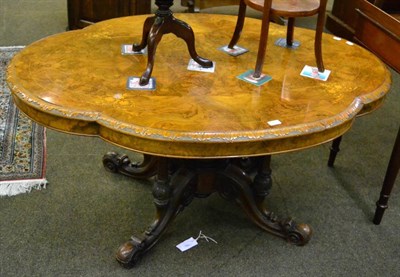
185 32
239 25
170 198
154 38
335 148
234 183
146 31
117 163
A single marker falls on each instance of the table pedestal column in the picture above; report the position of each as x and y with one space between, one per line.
178 182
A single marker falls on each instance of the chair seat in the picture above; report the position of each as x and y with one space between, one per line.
288 8
282 8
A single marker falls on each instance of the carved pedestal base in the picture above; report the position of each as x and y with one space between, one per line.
246 181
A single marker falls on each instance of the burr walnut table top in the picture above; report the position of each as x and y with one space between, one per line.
76 82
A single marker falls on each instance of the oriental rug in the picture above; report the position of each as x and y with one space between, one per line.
22 142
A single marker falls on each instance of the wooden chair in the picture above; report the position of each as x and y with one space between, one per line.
283 8
379 32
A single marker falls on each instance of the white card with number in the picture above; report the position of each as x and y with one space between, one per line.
187 244
312 72
127 49
133 83
235 51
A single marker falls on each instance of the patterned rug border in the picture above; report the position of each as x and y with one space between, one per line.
19 174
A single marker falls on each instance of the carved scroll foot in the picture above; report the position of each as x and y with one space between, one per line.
235 184
130 252
296 233
117 163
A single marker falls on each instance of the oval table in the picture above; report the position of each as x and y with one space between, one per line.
198 132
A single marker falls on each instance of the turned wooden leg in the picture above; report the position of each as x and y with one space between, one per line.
318 36
235 184
388 183
262 47
239 24
290 32
170 197
334 150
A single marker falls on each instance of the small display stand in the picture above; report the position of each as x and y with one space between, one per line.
163 23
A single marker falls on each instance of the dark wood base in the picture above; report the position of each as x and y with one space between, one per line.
177 181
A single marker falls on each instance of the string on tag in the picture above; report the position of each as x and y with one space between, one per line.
202 236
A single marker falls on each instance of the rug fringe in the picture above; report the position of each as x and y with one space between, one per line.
11 188
12 47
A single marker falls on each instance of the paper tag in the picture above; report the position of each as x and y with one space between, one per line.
133 84
274 122
312 72
194 66
248 77
235 51
282 43
187 244
126 49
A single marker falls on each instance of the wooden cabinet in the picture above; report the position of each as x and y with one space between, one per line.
82 13
342 20
197 5
380 33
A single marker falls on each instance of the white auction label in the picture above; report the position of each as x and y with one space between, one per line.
274 122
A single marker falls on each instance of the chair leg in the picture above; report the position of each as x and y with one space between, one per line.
290 31
388 183
318 36
334 150
262 48
239 25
